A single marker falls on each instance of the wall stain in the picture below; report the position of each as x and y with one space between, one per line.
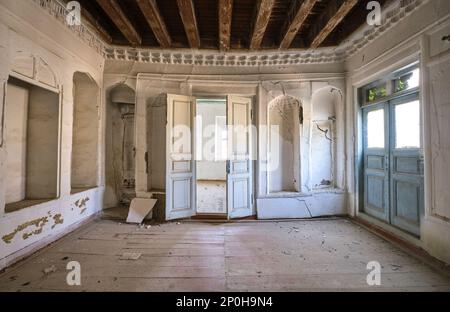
38 223
82 204
58 220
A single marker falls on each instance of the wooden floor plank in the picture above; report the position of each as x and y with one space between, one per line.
319 255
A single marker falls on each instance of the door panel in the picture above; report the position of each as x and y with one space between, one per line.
180 169
239 167
406 164
376 175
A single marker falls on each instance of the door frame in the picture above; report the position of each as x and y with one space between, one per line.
198 215
360 152
193 194
196 97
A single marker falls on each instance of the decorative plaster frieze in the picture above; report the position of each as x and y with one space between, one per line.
395 13
59 11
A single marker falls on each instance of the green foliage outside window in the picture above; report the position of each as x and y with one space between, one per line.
376 93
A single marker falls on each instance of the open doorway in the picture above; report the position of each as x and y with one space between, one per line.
211 156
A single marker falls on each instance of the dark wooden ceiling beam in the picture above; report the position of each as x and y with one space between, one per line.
118 17
225 17
262 18
335 12
187 13
295 20
154 18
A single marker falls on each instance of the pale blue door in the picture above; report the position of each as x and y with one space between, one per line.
393 162
376 168
406 164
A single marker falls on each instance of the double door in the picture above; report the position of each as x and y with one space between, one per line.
180 170
393 168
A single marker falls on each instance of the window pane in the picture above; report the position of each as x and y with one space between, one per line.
408 81
407 125
375 129
376 93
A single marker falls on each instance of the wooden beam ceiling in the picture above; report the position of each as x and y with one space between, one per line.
225 18
151 12
298 15
187 12
262 18
115 13
225 24
335 12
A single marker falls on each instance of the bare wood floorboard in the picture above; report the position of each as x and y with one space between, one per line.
326 255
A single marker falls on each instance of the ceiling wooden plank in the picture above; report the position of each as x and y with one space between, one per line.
225 17
262 18
336 11
187 12
96 25
298 15
118 17
154 18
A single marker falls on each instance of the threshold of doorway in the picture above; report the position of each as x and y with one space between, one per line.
209 217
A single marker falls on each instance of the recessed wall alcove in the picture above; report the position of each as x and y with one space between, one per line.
31 140
325 105
120 143
285 117
85 136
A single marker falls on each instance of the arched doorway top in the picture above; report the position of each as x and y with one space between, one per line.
122 93
285 102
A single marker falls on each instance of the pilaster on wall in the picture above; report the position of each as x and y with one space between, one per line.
4 73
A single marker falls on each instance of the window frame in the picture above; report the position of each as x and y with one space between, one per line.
389 81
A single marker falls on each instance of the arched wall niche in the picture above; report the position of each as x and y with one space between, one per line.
120 143
85 139
31 132
326 105
285 117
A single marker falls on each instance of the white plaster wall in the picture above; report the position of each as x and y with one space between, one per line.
151 87
26 28
417 37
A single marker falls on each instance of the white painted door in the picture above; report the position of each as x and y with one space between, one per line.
239 164
180 201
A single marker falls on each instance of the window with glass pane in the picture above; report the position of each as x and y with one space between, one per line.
375 129
408 81
407 125
375 93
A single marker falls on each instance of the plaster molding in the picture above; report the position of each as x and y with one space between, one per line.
392 16
58 10
239 79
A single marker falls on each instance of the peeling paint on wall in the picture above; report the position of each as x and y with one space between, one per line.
38 223
82 204
58 220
